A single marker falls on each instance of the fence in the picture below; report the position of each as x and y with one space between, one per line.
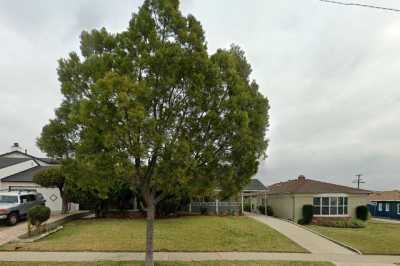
217 207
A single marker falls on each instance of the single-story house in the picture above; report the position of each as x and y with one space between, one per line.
385 204
17 169
329 200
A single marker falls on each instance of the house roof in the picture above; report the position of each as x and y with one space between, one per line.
303 185
385 196
255 185
24 176
29 157
5 161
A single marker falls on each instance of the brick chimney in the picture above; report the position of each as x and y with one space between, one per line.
301 179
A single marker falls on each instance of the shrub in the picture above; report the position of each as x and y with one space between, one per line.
121 197
247 207
354 223
362 213
203 211
168 207
270 212
301 221
38 215
231 212
308 214
261 209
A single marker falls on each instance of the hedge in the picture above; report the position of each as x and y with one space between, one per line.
308 214
362 213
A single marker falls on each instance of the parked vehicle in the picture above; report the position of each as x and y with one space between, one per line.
14 205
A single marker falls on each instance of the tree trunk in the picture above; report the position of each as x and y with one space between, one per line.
151 208
64 202
64 208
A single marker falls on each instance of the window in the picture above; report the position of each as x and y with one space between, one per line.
380 207
330 205
317 206
325 206
28 198
398 208
387 207
8 199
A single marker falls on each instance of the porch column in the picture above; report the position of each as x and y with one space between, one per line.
135 205
216 206
265 201
242 204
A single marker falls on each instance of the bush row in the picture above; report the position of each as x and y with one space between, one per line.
353 223
362 215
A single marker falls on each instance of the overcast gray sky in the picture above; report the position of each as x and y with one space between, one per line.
331 74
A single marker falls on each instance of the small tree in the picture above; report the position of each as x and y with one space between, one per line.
37 216
53 177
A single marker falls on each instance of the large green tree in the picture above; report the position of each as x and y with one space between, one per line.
151 104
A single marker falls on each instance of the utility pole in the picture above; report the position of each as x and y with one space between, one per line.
358 180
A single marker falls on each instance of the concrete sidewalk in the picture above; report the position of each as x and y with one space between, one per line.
391 221
338 259
308 240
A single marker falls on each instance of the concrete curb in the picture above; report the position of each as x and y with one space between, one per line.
326 237
53 225
37 237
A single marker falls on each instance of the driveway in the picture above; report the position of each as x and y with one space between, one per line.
10 233
308 240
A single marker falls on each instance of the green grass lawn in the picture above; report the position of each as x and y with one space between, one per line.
205 263
200 233
376 238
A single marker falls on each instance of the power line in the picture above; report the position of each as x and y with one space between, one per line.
360 5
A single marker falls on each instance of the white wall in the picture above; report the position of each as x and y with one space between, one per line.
16 168
55 206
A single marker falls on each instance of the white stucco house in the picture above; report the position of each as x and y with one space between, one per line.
17 169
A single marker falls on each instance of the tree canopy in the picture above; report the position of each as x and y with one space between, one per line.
151 105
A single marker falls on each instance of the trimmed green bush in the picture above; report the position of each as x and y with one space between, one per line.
38 215
362 213
261 209
301 221
270 212
308 214
203 210
354 223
